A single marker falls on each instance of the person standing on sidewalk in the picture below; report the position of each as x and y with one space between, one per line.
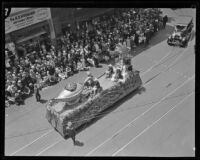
37 93
71 132
132 43
147 35
165 19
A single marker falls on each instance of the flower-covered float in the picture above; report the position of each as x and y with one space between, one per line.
80 103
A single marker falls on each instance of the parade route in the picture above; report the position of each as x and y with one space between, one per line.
157 121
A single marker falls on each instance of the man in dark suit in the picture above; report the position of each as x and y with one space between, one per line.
165 19
37 93
71 132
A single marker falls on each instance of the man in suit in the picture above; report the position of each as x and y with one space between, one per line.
165 19
37 93
71 132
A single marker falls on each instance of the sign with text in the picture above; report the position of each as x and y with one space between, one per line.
27 18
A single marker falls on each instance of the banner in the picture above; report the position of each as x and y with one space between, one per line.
27 18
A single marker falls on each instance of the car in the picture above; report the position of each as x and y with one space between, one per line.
182 32
78 104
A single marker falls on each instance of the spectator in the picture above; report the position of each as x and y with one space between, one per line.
165 19
74 52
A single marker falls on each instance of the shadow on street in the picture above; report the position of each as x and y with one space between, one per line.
43 101
78 143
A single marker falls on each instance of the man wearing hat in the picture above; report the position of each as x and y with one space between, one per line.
165 19
71 132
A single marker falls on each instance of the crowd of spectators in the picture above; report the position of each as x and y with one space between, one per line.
91 44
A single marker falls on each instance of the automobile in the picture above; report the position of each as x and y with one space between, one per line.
182 32
78 104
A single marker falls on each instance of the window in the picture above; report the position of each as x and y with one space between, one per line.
180 28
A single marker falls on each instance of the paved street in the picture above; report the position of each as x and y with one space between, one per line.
158 121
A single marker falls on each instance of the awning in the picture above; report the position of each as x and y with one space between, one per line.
31 37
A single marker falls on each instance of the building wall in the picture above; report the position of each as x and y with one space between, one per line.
59 19
63 16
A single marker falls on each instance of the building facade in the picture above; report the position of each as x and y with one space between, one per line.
33 25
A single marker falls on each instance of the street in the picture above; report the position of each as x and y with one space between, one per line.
158 121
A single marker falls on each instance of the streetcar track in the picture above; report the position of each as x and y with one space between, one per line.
150 126
117 133
138 117
52 129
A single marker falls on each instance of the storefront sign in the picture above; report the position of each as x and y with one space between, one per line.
27 18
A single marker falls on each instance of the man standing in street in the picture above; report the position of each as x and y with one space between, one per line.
71 132
37 94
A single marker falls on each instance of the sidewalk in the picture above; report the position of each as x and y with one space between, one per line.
173 14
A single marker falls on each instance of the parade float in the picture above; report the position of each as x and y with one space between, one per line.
80 103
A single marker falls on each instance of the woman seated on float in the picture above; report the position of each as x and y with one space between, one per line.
88 83
96 87
117 75
110 71
125 73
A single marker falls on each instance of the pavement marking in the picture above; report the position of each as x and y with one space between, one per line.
38 137
52 129
140 115
125 127
170 68
48 147
174 62
157 62
31 142
149 126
